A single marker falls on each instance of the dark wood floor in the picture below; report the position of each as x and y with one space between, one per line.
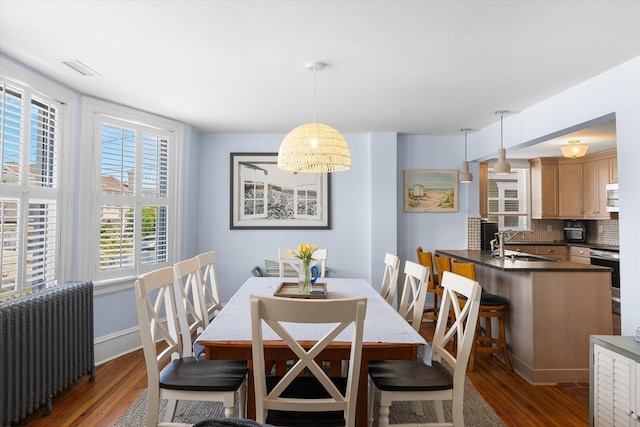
119 382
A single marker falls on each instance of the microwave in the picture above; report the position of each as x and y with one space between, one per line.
612 197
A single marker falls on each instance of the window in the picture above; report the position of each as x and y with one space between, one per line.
508 199
30 135
134 217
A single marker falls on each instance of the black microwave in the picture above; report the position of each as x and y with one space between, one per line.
575 231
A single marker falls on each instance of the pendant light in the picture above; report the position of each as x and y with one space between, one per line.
574 149
502 167
314 147
465 176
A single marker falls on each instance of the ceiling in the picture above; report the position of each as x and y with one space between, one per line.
414 67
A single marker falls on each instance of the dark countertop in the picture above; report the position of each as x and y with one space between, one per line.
563 243
485 258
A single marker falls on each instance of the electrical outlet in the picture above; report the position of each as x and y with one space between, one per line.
549 227
600 229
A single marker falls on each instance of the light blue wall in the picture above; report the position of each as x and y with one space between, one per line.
348 240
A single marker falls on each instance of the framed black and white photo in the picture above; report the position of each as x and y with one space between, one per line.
263 196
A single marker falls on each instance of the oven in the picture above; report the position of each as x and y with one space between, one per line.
610 259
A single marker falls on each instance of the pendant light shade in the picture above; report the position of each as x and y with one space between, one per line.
502 167
314 147
465 176
574 149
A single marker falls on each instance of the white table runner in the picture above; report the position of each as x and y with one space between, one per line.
382 324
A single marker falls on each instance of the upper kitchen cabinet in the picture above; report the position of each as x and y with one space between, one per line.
570 190
581 190
544 188
596 176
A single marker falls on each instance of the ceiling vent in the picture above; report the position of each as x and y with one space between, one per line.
79 67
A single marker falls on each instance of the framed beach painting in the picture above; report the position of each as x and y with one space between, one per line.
430 190
263 196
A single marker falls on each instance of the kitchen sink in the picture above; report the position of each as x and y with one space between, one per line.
528 258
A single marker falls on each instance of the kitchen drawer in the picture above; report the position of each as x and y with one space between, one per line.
558 252
579 254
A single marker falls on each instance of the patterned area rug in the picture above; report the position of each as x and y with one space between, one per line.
476 411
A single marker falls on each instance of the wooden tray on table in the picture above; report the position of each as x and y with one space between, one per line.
290 290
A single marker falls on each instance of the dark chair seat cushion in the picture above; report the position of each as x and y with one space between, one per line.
190 373
306 388
409 375
489 299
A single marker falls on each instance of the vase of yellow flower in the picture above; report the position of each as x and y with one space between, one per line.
305 255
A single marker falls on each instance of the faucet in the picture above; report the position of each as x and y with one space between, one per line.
502 238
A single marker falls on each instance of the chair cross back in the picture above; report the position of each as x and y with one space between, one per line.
390 277
319 255
338 315
414 293
207 262
189 277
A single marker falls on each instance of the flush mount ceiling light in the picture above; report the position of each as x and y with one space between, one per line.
314 147
502 167
465 176
574 150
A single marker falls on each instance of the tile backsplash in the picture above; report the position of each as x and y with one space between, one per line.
601 232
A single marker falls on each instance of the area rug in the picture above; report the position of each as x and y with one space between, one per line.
477 411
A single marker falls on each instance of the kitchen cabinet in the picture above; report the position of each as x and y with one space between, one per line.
596 176
558 252
544 188
483 180
613 170
570 190
615 382
580 254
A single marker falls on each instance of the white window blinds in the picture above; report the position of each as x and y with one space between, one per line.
29 196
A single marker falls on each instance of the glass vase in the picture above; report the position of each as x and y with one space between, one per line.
304 277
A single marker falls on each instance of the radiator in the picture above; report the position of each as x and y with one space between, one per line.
46 341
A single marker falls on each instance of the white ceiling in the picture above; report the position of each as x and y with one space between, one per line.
415 67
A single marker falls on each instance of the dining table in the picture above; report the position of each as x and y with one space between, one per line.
386 334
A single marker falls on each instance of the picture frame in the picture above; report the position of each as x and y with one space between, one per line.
265 197
430 190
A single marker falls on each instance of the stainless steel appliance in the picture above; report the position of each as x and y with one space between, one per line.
612 197
488 231
611 259
575 231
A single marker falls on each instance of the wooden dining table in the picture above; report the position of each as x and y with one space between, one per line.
386 334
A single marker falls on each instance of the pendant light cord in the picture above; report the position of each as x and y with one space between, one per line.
465 145
501 130
315 84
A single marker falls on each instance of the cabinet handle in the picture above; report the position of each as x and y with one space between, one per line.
550 251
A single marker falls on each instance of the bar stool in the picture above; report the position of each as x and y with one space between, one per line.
491 306
430 313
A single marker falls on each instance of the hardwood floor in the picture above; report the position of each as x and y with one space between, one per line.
119 382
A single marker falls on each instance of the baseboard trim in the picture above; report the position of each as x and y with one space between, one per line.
112 346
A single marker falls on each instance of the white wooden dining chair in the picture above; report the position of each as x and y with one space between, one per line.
173 373
187 274
390 277
306 393
286 258
399 380
207 263
414 293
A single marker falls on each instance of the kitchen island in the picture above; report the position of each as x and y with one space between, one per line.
553 308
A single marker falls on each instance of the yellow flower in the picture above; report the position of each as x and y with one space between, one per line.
305 251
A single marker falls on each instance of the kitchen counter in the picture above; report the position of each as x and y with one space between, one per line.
562 242
485 258
553 308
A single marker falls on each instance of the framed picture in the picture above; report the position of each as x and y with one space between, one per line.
430 190
263 196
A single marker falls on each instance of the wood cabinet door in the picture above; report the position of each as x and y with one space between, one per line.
596 176
544 190
570 191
